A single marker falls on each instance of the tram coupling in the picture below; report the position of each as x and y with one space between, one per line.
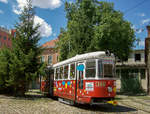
114 103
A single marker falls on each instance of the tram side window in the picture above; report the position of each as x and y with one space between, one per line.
72 71
66 72
61 73
90 69
57 73
100 69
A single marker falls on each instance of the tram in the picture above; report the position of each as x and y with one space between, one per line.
86 79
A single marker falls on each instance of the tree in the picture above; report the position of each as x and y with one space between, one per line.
24 65
5 55
94 25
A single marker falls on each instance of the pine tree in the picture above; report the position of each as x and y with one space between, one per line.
25 65
5 56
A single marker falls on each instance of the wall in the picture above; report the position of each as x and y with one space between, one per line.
132 56
5 39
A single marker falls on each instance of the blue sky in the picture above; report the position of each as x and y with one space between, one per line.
51 15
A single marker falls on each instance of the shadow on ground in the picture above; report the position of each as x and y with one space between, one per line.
106 108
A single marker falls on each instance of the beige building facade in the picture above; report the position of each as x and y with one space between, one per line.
136 67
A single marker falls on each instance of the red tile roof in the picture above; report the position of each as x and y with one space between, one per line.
50 43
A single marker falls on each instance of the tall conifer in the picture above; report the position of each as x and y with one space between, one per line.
25 64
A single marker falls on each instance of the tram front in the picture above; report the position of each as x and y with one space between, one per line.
97 83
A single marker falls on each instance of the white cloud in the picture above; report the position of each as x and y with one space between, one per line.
145 21
142 14
16 10
133 27
46 4
142 43
54 34
52 4
1 12
45 29
139 30
4 1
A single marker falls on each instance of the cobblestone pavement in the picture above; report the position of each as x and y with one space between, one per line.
43 105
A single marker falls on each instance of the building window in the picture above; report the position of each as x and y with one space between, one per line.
50 59
14 34
57 58
5 38
42 59
137 57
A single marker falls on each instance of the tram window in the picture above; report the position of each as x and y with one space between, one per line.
72 71
80 79
100 69
66 72
90 69
108 70
61 73
57 73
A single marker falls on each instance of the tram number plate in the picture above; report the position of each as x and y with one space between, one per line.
89 86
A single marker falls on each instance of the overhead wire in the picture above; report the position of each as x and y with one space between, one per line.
137 5
142 29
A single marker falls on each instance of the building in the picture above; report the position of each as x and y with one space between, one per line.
5 39
50 55
147 58
134 67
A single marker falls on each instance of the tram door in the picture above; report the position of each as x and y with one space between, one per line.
80 77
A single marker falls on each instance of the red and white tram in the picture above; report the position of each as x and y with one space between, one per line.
88 78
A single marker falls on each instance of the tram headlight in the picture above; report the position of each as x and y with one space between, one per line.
109 89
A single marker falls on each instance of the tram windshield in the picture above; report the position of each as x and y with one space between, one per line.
106 69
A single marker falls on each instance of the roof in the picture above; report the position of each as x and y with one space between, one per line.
4 30
131 64
138 50
91 55
50 44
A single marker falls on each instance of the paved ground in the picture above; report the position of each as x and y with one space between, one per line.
38 104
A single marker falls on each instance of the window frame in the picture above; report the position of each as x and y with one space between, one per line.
62 73
55 72
86 69
5 38
51 59
70 71
113 71
135 57
67 72
43 58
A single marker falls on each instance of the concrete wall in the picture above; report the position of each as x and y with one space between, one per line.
132 56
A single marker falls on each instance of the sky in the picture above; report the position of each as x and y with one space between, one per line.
51 16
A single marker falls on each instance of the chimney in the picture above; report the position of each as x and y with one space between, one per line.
148 30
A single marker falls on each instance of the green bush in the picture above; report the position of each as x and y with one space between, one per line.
131 85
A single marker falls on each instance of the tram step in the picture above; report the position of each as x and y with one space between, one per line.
69 102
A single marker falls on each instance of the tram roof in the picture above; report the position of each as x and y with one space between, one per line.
91 55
